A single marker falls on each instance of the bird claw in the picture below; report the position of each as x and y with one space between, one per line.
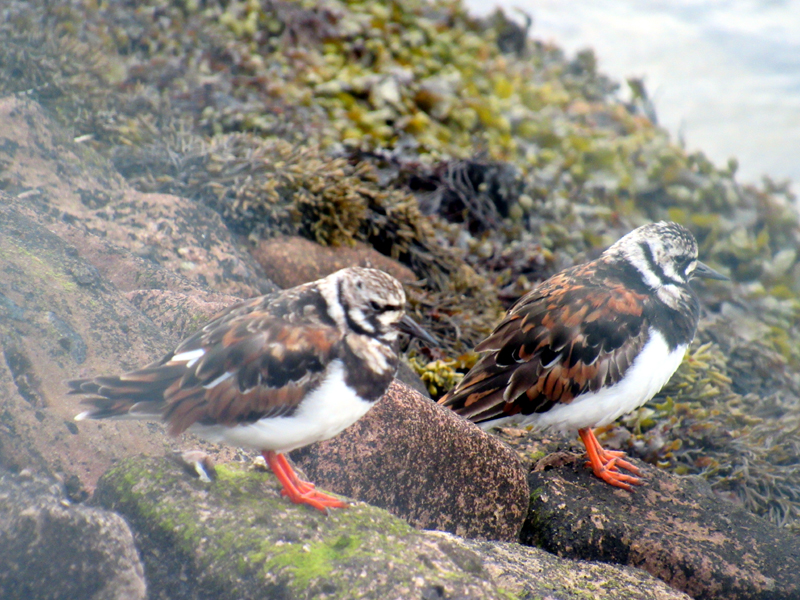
318 500
298 490
612 475
606 464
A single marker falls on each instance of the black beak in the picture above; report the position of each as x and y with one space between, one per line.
410 326
703 270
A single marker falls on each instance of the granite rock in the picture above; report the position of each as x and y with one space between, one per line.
237 537
673 527
52 549
424 463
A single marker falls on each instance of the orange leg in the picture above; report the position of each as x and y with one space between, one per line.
303 487
297 490
606 463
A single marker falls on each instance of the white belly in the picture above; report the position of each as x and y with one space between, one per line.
327 411
644 378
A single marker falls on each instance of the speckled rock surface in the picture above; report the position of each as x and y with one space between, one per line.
61 319
675 528
291 260
79 194
51 549
528 572
236 537
427 465
178 313
91 282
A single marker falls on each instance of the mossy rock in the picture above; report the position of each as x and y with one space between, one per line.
236 537
348 122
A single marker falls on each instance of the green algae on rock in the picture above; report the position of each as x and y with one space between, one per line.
328 84
236 537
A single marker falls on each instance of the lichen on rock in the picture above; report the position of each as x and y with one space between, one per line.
350 121
236 537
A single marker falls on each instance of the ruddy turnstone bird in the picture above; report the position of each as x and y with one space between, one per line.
591 343
273 373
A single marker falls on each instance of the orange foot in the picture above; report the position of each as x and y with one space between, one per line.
297 490
606 463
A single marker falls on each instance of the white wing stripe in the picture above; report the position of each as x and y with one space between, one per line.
218 380
190 357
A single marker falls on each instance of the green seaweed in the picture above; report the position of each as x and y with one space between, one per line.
316 118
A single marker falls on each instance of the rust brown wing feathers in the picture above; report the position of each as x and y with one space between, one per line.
249 364
552 346
271 371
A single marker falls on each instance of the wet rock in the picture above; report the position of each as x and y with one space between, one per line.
183 237
64 329
79 196
128 271
51 549
237 537
675 528
89 281
425 464
291 260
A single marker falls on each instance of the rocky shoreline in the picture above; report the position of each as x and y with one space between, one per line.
116 245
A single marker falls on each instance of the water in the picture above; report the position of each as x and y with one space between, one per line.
724 74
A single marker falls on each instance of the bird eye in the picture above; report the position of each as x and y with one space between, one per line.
687 266
381 308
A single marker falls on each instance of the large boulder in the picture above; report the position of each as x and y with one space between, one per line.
424 463
81 198
61 319
238 538
52 549
95 278
675 528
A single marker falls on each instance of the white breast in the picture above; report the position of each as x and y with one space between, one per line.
325 412
644 378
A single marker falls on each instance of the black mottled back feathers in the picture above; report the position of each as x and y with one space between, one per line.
576 332
258 359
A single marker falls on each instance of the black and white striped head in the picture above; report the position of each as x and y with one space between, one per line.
665 255
373 303
369 302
